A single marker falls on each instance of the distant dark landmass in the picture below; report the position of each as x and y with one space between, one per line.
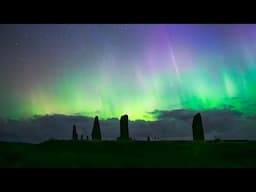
126 154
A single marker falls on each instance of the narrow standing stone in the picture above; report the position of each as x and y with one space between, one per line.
96 133
197 127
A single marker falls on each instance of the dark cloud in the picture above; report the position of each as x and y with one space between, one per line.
175 114
225 123
175 124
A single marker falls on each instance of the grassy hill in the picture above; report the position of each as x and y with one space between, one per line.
139 154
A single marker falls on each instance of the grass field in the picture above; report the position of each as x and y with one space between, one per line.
130 154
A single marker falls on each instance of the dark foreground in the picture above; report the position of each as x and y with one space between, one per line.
129 154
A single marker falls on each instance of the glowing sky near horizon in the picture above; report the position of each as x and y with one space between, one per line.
110 70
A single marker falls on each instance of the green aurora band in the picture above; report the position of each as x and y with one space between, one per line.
165 75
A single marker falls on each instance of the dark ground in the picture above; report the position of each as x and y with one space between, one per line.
129 154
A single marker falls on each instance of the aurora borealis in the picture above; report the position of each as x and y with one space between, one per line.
135 69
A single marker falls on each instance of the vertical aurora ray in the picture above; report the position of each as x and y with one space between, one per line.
110 70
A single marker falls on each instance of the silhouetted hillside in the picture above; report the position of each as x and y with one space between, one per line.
129 154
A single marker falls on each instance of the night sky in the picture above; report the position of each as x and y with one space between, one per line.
160 75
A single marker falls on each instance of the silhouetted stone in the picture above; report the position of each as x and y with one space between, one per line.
74 135
197 127
148 138
96 134
124 133
82 137
87 138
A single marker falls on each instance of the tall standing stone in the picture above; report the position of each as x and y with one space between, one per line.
74 134
197 127
96 134
124 133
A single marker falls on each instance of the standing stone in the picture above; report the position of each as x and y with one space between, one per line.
82 137
96 134
197 127
74 135
124 133
87 137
